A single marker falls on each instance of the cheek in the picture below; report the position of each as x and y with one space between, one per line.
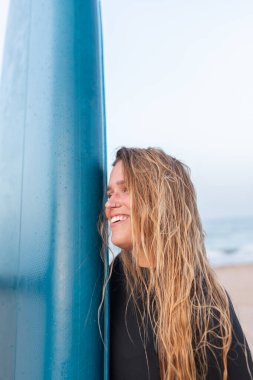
127 232
128 202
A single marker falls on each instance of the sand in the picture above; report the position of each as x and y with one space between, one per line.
238 281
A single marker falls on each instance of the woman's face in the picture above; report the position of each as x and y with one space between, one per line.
117 208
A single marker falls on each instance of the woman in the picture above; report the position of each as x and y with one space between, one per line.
170 317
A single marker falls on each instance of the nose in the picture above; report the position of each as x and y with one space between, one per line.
112 202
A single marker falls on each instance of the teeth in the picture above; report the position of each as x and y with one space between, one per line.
118 217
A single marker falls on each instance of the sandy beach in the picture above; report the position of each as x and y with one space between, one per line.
238 281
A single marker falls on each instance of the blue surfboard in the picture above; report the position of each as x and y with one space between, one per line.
52 173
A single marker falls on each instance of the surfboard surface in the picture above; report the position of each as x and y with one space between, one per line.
52 165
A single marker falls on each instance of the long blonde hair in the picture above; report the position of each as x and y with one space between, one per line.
187 306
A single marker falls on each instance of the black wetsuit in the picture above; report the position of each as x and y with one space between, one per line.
127 354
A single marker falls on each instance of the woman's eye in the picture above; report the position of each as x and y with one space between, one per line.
109 196
125 190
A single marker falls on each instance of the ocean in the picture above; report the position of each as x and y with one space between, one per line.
229 241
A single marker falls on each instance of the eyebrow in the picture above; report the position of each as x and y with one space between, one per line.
118 183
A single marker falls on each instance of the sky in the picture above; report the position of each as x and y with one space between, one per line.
4 5
178 75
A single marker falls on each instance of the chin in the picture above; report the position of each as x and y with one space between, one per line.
122 244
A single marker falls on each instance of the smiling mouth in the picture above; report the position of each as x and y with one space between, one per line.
118 219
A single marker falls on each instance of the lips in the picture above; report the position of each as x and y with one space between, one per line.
117 219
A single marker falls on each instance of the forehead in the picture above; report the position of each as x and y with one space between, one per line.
117 173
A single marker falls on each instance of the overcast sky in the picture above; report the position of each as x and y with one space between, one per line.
4 4
178 75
